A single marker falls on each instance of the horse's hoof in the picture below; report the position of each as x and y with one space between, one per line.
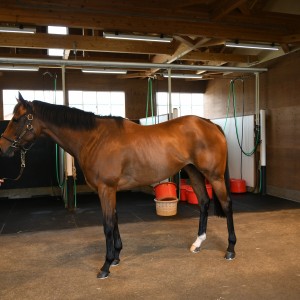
229 255
115 263
194 249
102 275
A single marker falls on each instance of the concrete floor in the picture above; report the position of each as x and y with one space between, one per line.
48 253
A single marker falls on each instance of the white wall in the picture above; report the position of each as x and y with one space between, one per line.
234 151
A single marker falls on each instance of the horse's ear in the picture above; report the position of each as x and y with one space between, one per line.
21 100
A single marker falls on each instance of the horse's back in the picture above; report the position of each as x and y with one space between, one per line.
185 123
188 137
189 129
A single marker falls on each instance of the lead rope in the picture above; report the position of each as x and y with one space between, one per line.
23 165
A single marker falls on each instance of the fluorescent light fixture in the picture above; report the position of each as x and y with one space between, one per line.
18 68
18 30
252 46
104 71
184 76
57 30
133 37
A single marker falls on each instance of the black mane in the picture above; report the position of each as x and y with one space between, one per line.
66 116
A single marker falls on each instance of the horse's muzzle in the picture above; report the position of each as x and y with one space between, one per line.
8 153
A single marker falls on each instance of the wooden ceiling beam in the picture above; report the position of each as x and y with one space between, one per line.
225 7
148 23
98 57
82 43
293 38
181 50
218 57
156 8
244 9
66 54
185 40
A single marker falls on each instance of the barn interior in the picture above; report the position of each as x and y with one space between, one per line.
51 253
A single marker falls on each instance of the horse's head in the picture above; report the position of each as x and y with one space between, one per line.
19 132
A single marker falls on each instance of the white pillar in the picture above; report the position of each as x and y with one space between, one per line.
263 160
69 164
257 98
175 113
170 94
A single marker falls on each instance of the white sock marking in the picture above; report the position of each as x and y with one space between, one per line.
201 238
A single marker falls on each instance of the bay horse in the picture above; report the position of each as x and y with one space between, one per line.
117 154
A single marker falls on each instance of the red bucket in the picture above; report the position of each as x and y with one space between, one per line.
191 196
209 190
237 186
183 181
165 190
183 192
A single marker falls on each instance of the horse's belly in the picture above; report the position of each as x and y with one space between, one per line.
147 174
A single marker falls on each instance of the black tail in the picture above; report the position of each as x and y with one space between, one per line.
218 210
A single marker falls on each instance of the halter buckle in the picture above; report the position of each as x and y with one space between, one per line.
29 127
15 144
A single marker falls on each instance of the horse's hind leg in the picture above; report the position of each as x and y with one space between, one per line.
198 183
107 197
223 195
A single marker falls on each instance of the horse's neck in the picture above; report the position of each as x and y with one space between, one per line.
69 139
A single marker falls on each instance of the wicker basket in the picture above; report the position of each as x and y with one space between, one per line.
166 208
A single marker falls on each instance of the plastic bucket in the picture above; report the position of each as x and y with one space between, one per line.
183 181
165 190
237 186
191 196
183 192
209 190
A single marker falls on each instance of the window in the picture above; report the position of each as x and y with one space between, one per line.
186 103
10 96
57 30
100 103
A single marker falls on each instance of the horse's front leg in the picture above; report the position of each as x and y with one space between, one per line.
117 242
107 197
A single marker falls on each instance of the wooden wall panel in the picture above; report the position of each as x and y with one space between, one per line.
216 97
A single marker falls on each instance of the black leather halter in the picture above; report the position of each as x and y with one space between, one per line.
17 142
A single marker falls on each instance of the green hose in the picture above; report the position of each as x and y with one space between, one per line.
257 139
60 183
63 183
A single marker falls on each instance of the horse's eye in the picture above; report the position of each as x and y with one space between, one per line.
15 120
